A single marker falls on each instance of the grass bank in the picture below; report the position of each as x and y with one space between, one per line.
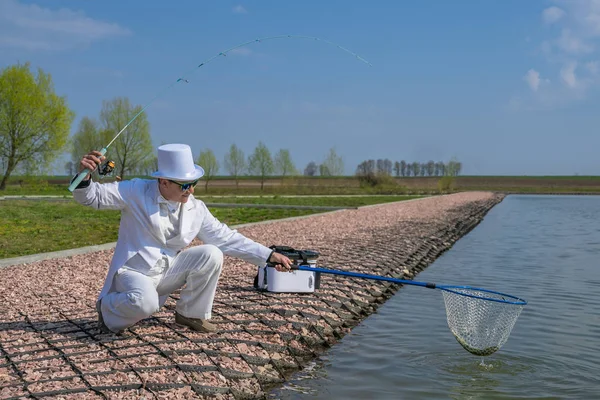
344 185
40 226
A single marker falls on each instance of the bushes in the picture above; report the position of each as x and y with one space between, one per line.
379 183
32 181
376 180
446 184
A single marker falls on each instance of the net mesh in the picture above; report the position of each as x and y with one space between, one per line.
480 325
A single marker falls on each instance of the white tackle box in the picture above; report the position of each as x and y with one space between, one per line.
294 281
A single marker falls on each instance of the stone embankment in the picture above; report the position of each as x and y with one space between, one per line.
50 346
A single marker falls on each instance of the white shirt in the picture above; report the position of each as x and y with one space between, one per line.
170 213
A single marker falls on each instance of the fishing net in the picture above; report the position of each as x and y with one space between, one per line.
480 320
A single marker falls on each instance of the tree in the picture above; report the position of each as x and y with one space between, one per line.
430 168
324 170
260 163
440 168
362 169
311 169
70 168
34 121
387 166
416 168
371 166
397 168
403 168
133 148
380 167
366 168
453 168
208 161
384 167
85 139
376 172
334 163
235 162
148 166
283 163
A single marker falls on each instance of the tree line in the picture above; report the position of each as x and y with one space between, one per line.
403 168
35 124
263 164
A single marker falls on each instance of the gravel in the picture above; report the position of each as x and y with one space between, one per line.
49 339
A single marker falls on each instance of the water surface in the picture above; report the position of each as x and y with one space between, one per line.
545 249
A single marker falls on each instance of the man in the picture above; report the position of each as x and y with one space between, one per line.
159 218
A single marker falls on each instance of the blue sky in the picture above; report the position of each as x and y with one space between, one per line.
505 86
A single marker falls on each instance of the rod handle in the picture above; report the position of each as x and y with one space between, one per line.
83 174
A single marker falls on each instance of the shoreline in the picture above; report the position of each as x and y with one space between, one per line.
48 334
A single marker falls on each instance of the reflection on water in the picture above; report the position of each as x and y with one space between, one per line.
477 381
542 248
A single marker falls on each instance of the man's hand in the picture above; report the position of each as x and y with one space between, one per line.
282 263
91 162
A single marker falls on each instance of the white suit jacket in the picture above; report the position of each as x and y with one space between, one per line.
140 230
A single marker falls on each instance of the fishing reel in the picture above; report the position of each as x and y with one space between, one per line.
107 168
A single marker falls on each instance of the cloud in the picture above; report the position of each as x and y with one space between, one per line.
569 54
552 14
569 43
533 79
239 9
592 67
32 27
567 74
586 14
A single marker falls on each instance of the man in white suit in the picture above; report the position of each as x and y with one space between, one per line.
159 218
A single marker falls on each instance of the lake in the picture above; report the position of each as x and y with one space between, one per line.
545 249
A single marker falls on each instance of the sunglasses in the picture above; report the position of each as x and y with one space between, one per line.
185 186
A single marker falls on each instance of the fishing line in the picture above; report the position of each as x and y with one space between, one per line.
183 78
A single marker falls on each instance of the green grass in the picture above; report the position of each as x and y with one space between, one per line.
308 201
224 186
61 190
30 227
40 226
29 190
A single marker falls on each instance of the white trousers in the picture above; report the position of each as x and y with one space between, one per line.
137 296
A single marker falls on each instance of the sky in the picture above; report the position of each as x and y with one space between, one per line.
506 87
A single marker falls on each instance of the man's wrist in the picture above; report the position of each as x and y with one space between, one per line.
84 183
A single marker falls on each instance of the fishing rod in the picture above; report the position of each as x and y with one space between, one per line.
103 151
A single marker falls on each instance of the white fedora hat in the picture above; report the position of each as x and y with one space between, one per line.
175 161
